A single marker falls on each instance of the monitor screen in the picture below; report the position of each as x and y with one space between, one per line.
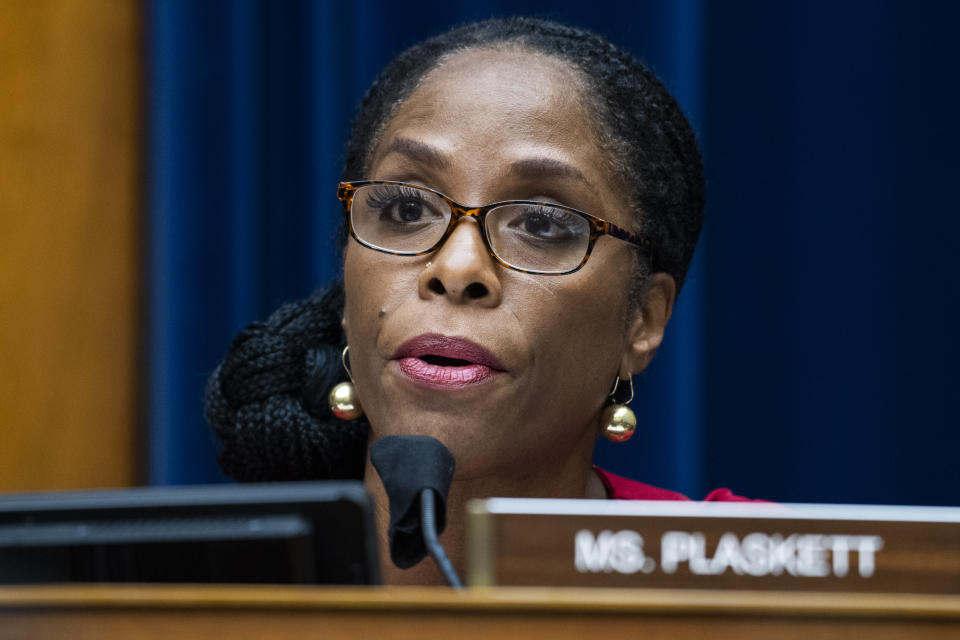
285 533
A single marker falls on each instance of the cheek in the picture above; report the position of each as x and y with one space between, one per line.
360 324
368 288
354 291
375 286
366 293
578 333
587 314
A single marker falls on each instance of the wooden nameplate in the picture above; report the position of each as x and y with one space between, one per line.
669 545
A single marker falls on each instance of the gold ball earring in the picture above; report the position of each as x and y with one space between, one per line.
618 422
343 398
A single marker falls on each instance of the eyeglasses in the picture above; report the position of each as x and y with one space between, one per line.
533 237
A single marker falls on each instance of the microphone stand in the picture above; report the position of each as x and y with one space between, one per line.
412 469
428 527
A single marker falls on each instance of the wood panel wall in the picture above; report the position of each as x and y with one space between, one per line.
69 206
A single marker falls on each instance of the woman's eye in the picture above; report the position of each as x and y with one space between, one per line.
401 207
405 211
544 225
536 224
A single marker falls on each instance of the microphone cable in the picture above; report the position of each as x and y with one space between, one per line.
434 548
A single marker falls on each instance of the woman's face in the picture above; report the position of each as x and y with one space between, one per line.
536 355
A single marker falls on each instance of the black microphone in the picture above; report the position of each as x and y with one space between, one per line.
416 472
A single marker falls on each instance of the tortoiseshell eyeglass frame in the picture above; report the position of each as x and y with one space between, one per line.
598 226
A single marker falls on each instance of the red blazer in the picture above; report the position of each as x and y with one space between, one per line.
620 488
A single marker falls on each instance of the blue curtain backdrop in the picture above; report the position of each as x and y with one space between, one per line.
812 353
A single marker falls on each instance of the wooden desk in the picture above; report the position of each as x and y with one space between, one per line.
240 612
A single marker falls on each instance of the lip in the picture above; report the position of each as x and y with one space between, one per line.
480 364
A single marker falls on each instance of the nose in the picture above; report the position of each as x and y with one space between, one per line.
462 270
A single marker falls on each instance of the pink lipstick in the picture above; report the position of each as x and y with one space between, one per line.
442 361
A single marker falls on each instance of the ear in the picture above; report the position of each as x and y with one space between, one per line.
345 325
344 318
645 331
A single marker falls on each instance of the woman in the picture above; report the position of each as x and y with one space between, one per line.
503 331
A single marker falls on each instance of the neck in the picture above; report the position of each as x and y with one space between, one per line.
572 480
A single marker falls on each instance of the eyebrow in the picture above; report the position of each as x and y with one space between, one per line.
542 167
418 151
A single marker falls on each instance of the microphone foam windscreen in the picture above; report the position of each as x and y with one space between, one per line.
407 465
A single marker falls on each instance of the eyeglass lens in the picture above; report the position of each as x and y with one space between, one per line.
405 219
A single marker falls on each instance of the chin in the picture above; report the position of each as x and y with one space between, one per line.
471 444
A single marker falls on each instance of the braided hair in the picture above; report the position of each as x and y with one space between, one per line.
267 399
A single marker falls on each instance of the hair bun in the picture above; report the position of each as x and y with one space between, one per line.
266 401
322 370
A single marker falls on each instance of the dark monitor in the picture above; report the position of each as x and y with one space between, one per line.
300 533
